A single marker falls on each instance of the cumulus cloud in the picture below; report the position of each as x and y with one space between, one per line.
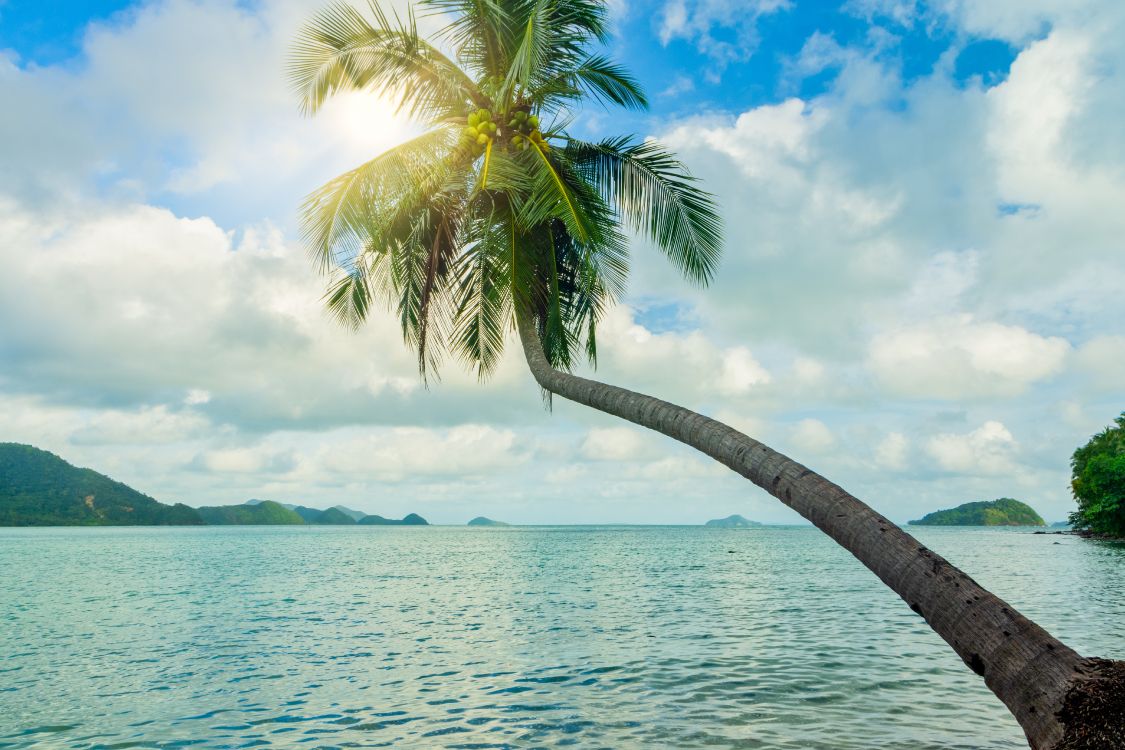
618 444
145 114
639 358
813 436
698 21
147 307
958 357
989 449
1103 359
890 244
891 452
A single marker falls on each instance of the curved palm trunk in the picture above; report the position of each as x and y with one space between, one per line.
1061 699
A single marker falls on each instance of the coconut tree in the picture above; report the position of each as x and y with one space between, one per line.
496 218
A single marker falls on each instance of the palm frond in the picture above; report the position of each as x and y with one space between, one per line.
341 50
655 195
422 265
595 76
343 216
534 47
484 297
477 30
610 83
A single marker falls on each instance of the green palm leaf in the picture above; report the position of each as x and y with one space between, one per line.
655 195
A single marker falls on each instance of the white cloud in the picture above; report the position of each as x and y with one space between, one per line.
145 112
638 358
197 396
401 453
989 449
698 20
891 452
1020 20
741 372
808 371
1103 359
957 357
902 12
245 461
618 444
149 307
1030 114
765 142
813 436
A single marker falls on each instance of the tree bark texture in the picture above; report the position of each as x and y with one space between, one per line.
1060 699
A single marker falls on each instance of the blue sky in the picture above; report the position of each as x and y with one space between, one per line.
54 36
919 297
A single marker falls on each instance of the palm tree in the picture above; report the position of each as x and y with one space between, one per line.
496 217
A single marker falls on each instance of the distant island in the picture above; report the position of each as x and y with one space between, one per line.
337 515
411 519
733 522
1002 512
38 488
266 513
482 521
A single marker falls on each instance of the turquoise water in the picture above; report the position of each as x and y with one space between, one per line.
659 637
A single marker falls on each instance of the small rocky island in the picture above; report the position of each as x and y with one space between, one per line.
733 522
1002 512
482 521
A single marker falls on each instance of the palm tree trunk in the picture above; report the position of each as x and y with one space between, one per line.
1061 699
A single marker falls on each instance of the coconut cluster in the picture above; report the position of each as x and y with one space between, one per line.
522 130
480 129
525 131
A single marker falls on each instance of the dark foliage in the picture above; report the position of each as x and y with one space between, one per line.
1098 482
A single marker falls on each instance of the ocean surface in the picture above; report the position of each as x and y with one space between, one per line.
452 637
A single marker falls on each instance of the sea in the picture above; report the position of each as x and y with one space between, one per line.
521 637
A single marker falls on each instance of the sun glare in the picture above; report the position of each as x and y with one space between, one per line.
365 124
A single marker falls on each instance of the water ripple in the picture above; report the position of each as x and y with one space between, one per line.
508 638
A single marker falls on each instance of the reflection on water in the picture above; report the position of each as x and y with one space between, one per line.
509 638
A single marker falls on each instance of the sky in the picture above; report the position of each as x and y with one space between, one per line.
920 295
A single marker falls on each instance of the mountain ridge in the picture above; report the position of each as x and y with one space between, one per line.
39 488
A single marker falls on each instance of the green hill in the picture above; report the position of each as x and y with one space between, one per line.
483 521
334 516
733 522
1002 512
411 519
38 488
265 513
354 514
